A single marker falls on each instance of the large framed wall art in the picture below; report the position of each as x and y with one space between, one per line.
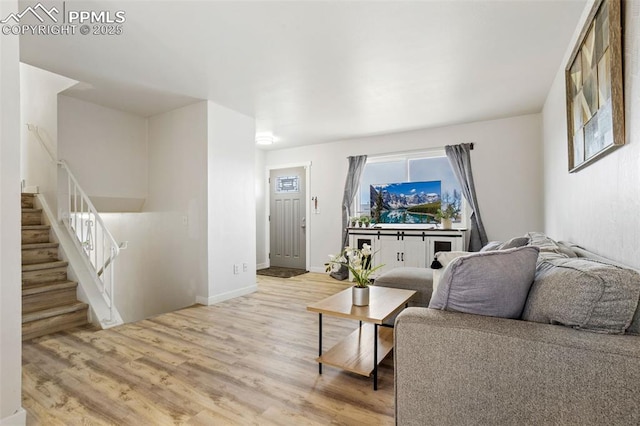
595 101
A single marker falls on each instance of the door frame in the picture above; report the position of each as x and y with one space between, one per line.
307 206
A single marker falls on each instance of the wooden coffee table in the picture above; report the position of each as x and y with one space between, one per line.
366 347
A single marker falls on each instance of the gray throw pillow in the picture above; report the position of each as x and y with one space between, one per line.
584 294
493 283
514 243
491 246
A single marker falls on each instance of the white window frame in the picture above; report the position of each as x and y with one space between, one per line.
415 155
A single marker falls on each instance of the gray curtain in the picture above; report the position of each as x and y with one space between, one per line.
356 167
460 160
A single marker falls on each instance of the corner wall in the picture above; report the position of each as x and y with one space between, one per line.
507 167
11 412
231 181
176 207
164 267
596 207
199 218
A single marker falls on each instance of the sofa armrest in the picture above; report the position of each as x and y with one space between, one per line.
455 368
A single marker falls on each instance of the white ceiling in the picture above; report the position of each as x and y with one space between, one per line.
313 72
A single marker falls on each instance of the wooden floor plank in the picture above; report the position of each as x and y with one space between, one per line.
248 361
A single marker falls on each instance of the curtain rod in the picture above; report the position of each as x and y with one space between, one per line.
413 151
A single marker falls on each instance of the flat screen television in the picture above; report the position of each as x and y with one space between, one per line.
406 202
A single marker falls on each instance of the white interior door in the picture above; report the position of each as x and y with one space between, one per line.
288 218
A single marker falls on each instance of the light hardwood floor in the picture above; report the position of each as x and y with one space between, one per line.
250 360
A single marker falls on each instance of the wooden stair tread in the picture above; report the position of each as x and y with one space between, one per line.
49 300
35 227
35 234
27 201
45 265
45 287
30 246
54 324
52 312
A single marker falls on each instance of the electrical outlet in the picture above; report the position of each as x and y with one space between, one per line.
245 267
236 269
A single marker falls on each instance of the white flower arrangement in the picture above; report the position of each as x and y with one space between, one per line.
358 261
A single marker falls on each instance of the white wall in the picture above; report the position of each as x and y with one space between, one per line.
107 151
507 166
164 267
10 282
596 207
231 204
262 252
39 106
158 272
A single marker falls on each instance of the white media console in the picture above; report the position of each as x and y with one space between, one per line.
405 245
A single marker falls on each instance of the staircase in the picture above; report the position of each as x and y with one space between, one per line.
49 302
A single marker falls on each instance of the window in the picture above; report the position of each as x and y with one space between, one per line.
413 167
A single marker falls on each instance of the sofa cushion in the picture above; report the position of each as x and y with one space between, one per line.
541 241
494 283
549 248
583 294
565 248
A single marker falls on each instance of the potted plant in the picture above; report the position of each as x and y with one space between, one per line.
365 221
445 216
354 221
358 261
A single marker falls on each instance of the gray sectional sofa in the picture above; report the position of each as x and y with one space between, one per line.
572 358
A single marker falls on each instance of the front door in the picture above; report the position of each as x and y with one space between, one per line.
288 218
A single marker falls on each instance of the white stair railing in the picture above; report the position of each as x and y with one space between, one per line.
88 231
92 236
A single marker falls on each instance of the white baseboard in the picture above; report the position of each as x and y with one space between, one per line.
262 265
317 269
19 418
212 300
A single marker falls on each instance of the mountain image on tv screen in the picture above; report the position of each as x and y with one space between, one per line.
406 202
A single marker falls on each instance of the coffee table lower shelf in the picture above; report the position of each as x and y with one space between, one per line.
355 352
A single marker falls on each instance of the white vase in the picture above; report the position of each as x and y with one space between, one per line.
446 223
360 296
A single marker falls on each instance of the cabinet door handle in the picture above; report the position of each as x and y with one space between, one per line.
398 256
402 257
